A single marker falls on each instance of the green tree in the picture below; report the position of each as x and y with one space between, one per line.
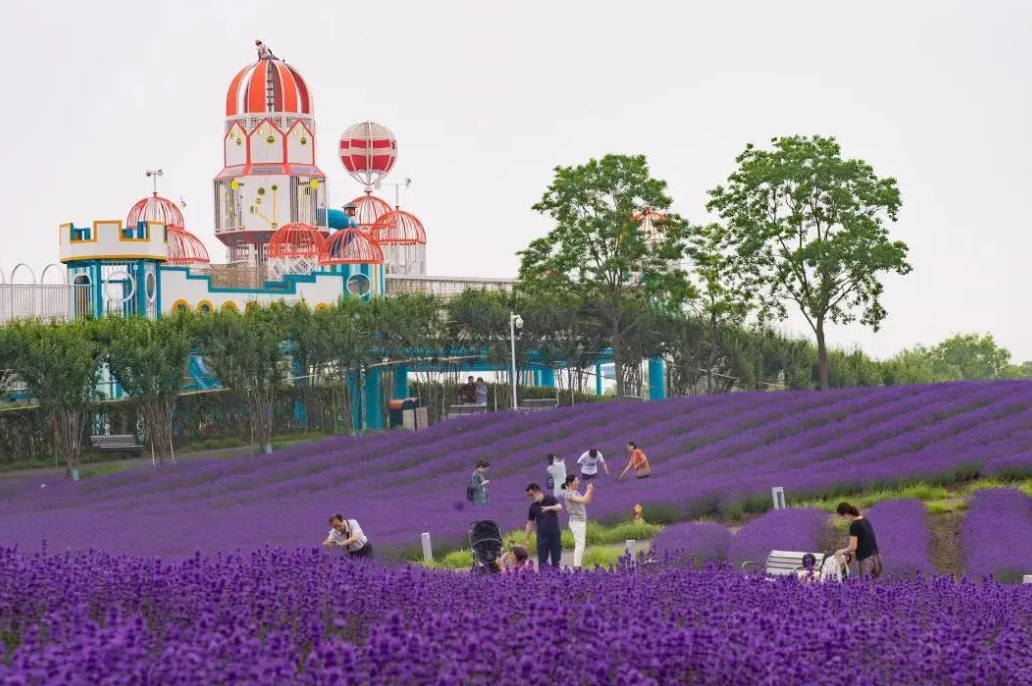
246 352
969 356
808 227
60 365
597 254
147 357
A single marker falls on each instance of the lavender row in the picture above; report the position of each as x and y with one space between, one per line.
996 537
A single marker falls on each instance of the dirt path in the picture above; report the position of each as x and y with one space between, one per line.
51 473
945 545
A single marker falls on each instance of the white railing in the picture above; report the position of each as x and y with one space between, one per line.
44 301
442 286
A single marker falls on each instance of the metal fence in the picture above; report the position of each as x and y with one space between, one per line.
44 301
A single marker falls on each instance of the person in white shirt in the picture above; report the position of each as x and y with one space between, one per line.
575 506
556 475
347 534
589 463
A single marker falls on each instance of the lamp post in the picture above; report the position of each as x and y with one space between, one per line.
515 322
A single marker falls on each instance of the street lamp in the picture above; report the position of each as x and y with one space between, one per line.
515 322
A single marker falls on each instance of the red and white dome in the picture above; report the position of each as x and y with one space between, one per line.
351 246
368 152
268 87
295 239
369 208
398 227
184 248
155 209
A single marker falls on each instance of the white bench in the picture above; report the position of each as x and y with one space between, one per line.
465 410
784 562
124 444
538 404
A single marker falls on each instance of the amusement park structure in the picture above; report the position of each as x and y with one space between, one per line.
283 239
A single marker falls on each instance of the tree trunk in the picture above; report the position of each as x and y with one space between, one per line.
822 356
614 345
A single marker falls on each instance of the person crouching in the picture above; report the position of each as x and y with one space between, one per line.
347 534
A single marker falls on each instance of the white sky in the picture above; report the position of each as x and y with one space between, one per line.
486 97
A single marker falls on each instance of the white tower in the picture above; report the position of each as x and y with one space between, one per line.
269 177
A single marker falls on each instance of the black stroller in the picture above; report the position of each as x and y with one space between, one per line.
485 540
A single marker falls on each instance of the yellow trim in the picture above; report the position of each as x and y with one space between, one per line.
252 305
177 305
78 258
202 304
230 306
321 306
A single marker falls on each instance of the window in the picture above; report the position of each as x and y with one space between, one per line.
205 307
180 307
151 286
81 234
230 307
358 285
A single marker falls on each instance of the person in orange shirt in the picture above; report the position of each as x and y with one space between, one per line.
638 462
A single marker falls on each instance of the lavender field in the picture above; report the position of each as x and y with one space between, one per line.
709 455
301 617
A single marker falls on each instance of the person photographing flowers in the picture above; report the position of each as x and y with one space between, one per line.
575 507
347 534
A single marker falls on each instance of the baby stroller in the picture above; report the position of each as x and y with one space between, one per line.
485 540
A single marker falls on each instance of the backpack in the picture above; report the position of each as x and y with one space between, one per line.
469 492
550 484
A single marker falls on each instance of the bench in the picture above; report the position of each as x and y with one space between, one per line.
124 444
538 404
783 563
465 410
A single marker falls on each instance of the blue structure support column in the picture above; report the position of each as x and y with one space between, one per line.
371 395
548 377
356 401
598 379
657 379
401 389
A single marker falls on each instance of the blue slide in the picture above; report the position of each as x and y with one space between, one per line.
201 377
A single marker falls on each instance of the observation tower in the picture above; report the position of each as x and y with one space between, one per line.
269 176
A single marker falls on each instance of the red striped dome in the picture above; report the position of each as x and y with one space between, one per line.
155 209
350 246
266 87
295 239
184 248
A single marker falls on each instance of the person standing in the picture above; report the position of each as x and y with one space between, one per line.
347 534
862 542
575 507
478 485
544 513
638 462
481 391
589 463
556 475
468 392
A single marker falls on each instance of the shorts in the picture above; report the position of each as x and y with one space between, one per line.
643 476
870 566
588 477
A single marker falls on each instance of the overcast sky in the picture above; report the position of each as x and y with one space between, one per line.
486 98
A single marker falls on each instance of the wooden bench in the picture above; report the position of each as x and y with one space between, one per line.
123 444
538 404
784 563
465 410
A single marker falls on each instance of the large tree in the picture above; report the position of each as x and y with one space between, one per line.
60 365
247 353
806 226
597 253
148 358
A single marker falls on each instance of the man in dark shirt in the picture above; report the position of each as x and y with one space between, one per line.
468 392
862 542
544 512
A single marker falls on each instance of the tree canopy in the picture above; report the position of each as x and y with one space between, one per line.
807 227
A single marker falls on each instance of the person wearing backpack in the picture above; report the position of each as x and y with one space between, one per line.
476 491
556 475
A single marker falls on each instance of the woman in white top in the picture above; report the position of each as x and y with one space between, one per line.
347 534
575 506
589 463
556 474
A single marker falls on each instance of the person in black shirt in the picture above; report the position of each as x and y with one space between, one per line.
544 512
468 392
862 542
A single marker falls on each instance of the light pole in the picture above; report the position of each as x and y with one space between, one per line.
515 322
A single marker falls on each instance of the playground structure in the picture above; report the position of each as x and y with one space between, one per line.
283 241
